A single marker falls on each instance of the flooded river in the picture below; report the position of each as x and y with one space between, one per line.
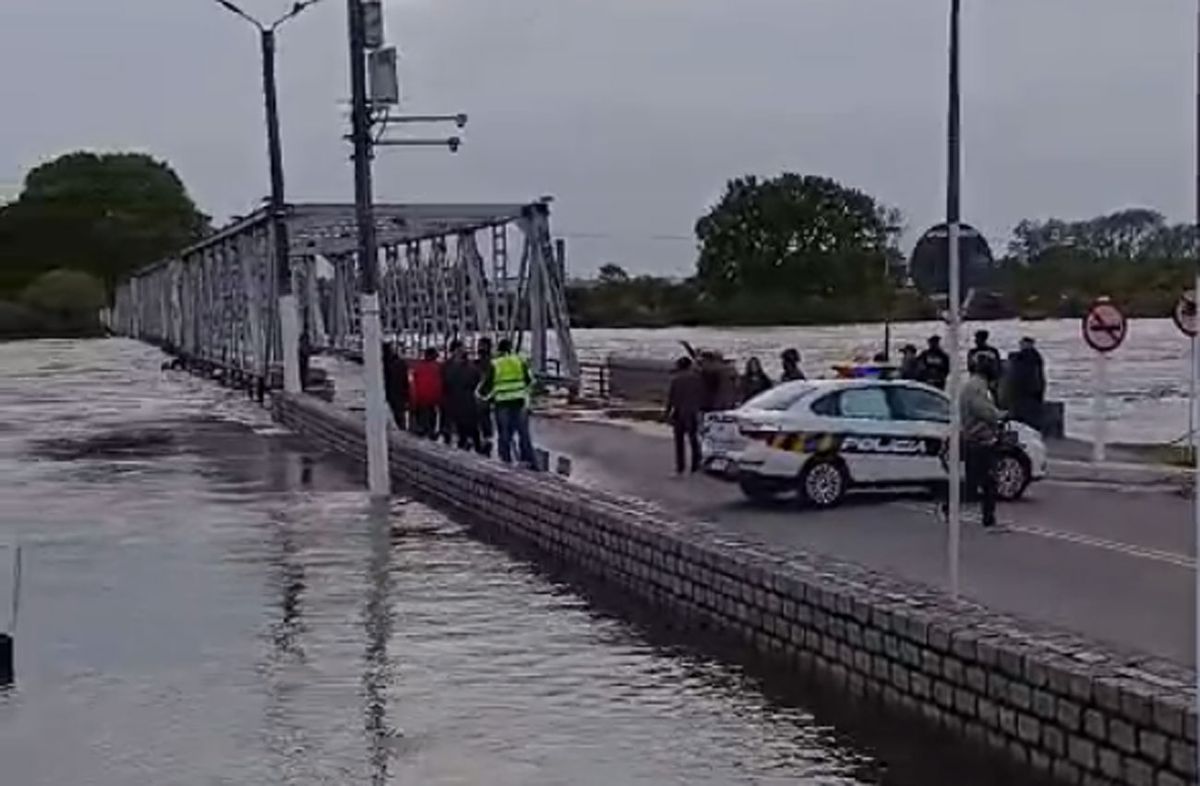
1148 375
207 600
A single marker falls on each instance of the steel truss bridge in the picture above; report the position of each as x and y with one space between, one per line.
445 271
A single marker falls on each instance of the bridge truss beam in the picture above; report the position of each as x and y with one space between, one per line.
446 272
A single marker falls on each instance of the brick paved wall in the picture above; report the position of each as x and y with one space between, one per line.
1050 700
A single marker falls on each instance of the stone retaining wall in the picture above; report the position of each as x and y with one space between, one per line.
1052 701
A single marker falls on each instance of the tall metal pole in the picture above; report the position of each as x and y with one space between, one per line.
378 481
953 191
1195 375
289 322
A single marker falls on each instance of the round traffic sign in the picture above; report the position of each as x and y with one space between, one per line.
1104 326
1185 314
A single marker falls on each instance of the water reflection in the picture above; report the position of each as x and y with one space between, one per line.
377 620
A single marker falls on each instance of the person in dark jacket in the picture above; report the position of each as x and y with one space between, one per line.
685 404
460 381
791 366
1025 384
395 385
754 380
933 364
425 394
483 364
711 372
995 361
909 368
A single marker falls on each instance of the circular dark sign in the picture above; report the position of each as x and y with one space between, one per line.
929 265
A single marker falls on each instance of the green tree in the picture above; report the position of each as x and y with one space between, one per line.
612 274
65 294
103 214
794 235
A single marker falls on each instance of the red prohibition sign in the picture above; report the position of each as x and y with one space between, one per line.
1104 327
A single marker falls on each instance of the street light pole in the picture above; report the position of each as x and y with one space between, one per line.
289 317
289 321
378 480
953 200
1195 376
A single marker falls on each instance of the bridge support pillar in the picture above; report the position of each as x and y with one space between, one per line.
289 330
378 477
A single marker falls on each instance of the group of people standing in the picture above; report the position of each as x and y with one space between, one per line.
465 401
1018 384
695 390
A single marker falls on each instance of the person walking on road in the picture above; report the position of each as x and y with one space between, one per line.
395 385
981 423
791 366
933 364
508 385
754 380
685 403
425 394
460 379
1025 384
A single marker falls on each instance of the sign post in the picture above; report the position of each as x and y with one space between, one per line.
1104 329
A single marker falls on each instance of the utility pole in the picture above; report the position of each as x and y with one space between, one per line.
289 317
953 217
1196 370
378 476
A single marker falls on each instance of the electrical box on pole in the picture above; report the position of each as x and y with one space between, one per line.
372 16
384 77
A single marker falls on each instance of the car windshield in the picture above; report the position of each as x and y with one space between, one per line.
779 398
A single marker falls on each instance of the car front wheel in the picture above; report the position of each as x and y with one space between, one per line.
1011 471
823 483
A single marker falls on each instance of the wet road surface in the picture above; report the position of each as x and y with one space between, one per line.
1113 563
208 600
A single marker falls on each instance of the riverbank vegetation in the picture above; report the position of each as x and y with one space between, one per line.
808 250
85 221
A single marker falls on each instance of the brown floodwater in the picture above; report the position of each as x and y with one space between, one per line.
209 600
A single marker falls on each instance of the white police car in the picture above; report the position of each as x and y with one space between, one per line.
822 438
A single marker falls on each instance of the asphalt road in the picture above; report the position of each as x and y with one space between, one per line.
1114 563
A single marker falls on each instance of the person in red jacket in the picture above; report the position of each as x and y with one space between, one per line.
425 394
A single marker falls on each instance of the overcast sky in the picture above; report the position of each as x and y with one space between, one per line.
633 113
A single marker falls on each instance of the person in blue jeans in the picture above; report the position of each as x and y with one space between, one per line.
508 384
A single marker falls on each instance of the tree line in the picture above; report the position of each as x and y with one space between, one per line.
81 223
802 249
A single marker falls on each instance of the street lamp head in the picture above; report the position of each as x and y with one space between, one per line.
461 120
454 143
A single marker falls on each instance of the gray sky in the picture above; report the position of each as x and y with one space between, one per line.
633 113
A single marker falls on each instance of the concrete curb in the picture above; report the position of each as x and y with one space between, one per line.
1118 473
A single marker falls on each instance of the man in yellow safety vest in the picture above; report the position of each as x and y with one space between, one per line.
507 385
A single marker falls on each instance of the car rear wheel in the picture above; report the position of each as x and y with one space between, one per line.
1011 471
823 483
